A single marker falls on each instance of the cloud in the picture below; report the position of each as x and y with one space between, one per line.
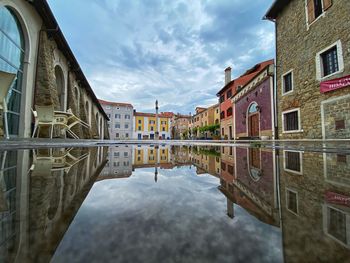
174 51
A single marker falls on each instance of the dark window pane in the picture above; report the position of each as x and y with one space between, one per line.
337 225
13 123
330 61
318 7
291 121
293 161
287 79
292 202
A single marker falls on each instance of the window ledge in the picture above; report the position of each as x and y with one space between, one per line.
295 131
331 75
318 18
287 93
294 172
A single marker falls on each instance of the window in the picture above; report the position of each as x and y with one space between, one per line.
140 121
229 112
117 135
329 61
117 116
230 169
222 98
116 154
152 128
139 158
291 120
138 151
116 164
315 8
229 94
152 122
293 161
222 115
223 166
126 163
287 83
109 116
163 128
126 126
12 50
127 116
336 224
139 128
126 135
126 154
117 125
292 201
222 131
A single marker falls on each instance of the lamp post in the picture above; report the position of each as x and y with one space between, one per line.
157 132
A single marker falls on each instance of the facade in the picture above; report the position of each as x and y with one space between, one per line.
313 67
120 125
226 107
180 126
46 70
204 117
119 163
145 125
254 105
145 156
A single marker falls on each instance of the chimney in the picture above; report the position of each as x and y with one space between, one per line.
227 75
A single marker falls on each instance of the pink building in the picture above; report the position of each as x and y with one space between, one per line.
254 115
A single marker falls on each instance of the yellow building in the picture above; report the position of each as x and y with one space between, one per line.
145 125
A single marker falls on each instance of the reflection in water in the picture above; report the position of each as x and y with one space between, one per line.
165 203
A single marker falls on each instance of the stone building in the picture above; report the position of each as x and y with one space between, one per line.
180 126
120 125
253 105
315 207
312 68
145 125
47 73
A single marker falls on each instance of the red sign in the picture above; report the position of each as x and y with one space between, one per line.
338 199
335 84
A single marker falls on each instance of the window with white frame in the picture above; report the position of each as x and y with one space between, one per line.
329 61
336 224
292 201
127 116
117 125
287 82
291 120
293 161
117 116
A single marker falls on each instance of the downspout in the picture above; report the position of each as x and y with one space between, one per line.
275 86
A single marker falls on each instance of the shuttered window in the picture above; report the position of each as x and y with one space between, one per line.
315 8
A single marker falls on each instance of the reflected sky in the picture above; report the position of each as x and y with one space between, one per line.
181 218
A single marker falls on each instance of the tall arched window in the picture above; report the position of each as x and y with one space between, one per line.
253 108
12 51
60 87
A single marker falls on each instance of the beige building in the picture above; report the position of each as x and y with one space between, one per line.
205 117
46 71
180 126
312 68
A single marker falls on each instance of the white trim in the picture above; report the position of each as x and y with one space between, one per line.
292 76
325 214
299 121
296 193
308 25
318 61
301 162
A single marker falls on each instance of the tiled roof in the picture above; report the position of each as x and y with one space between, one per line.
104 102
247 76
160 115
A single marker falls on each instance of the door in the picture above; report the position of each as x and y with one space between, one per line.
139 136
254 125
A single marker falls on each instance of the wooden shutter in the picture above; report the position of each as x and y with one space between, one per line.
310 11
327 4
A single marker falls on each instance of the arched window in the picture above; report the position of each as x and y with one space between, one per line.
12 51
253 108
60 87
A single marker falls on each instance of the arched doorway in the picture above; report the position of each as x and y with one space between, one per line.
254 163
12 52
60 87
253 120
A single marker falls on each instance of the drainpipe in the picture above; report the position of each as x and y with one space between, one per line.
275 86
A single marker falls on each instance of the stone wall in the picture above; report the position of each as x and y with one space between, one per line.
78 96
297 46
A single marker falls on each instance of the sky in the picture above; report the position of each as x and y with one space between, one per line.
171 50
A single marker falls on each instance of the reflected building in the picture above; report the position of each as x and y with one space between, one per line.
250 181
315 205
152 156
119 163
41 192
206 160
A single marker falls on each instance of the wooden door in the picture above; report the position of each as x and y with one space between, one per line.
254 125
